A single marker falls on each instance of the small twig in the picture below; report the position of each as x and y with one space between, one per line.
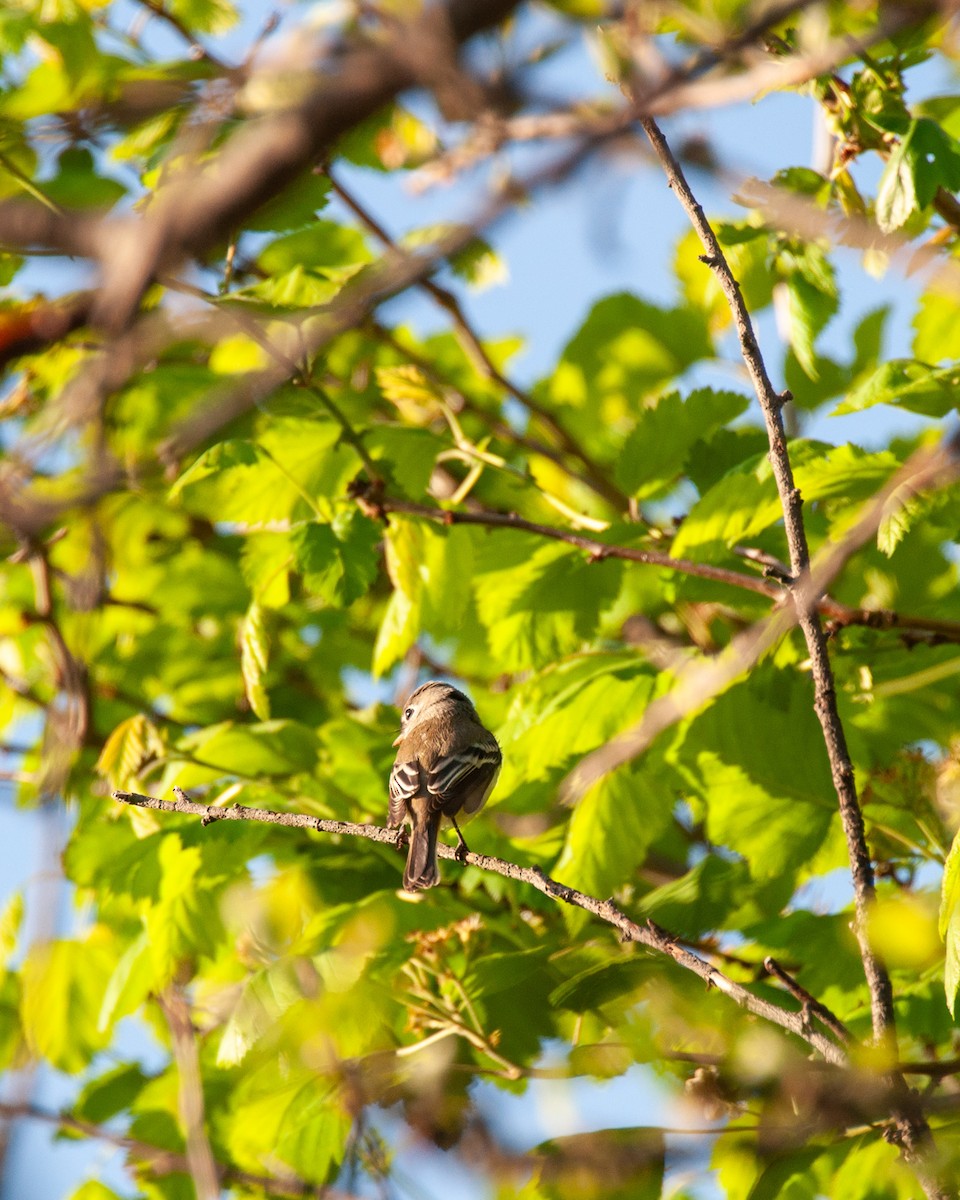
650 935
809 1002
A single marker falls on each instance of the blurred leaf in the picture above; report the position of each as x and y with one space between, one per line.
63 983
614 1163
254 651
949 924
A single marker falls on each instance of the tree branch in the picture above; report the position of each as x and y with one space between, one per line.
913 1130
839 615
649 935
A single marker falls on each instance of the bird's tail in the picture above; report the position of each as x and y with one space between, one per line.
421 870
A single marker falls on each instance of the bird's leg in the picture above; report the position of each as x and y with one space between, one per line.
462 848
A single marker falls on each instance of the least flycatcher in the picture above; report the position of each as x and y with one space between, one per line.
446 762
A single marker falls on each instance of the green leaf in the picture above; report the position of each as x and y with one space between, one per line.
265 996
613 826
63 984
479 265
430 568
656 451
625 349
936 328
11 919
897 191
906 383
745 501
266 560
602 983
338 562
109 1094
181 923
297 205
313 1132
94 1190
295 468
926 159
78 184
773 833
755 758
276 747
539 602
714 894
129 985
788 1171
949 923
323 244
205 16
812 299
254 651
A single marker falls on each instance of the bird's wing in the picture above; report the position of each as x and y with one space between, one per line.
465 775
404 785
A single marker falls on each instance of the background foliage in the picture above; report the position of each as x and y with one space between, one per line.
225 556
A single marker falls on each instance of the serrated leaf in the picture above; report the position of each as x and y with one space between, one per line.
416 397
656 451
313 1132
268 748
254 653
612 827
538 602
899 515
906 383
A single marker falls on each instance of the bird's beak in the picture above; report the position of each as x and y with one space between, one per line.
398 739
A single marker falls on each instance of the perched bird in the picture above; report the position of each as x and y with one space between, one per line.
446 762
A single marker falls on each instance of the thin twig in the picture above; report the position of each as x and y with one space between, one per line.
649 935
809 1002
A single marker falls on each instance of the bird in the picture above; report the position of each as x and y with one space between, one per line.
447 762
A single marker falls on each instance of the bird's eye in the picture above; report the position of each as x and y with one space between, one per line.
407 714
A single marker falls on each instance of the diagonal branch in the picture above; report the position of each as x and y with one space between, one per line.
649 935
839 615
